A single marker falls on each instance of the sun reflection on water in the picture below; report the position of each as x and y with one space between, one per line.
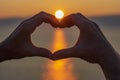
61 69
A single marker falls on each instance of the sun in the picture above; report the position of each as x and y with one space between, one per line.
59 14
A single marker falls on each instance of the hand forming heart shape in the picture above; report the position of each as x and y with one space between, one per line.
90 46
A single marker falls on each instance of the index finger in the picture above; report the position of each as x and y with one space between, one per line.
67 21
49 18
30 24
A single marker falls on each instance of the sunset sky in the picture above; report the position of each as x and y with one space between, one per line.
26 8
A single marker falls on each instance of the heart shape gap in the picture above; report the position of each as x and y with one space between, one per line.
44 36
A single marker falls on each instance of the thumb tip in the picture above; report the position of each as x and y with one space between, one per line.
59 55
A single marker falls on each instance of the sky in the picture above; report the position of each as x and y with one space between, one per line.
26 8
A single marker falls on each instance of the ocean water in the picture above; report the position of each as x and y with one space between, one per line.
34 68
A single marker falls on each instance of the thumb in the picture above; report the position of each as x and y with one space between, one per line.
41 52
64 53
44 53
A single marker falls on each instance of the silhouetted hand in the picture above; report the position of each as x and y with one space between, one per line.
91 46
19 45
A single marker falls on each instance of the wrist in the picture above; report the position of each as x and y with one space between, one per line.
111 66
4 53
109 59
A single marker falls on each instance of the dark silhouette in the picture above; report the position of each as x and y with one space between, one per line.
91 46
19 45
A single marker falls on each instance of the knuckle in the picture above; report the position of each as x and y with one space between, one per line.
42 12
24 23
73 15
94 23
25 26
78 13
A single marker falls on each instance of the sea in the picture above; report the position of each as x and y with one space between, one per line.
35 68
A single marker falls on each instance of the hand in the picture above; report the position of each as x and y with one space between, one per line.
19 45
91 46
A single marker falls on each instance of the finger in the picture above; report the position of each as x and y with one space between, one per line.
98 30
85 25
79 14
74 19
61 54
44 52
49 18
90 23
41 52
92 27
29 25
78 53
67 21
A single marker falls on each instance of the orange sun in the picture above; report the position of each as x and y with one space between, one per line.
59 14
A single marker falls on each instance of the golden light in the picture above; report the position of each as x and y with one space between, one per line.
59 14
58 40
61 69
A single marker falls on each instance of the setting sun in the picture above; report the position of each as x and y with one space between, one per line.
59 14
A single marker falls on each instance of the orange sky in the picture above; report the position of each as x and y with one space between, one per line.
25 8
